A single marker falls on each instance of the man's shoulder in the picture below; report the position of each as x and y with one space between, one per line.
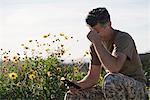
122 36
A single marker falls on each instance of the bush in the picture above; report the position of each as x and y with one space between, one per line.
145 58
33 76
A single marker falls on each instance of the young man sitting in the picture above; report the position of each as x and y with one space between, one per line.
116 52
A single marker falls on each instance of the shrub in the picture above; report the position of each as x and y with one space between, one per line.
33 76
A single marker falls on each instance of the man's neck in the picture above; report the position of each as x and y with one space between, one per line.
111 34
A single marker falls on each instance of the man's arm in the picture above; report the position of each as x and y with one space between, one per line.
112 62
91 78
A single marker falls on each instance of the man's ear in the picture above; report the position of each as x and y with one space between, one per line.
108 24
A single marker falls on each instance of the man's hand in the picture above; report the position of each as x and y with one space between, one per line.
73 90
94 37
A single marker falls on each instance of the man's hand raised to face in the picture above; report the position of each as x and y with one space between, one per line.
94 37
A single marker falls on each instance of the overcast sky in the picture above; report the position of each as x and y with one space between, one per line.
21 20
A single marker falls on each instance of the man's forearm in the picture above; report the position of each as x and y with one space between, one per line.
91 78
86 82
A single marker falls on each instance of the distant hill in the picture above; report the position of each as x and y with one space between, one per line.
145 58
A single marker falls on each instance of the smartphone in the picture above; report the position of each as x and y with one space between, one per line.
70 84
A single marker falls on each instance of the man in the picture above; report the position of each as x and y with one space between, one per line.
116 52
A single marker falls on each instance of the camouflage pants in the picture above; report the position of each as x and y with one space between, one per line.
115 87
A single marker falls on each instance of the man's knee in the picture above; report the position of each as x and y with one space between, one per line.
113 77
113 81
113 88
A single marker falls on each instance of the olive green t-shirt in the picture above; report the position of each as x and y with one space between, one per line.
123 42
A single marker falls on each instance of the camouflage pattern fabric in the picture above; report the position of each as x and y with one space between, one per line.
115 87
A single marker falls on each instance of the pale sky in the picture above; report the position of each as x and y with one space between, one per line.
21 20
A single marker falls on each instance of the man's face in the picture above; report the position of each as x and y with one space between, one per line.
102 30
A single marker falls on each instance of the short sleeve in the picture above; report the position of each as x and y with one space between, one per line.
94 60
125 45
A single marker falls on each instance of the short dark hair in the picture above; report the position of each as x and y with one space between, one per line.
98 15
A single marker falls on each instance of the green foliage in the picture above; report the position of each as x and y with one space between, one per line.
36 78
33 76
145 58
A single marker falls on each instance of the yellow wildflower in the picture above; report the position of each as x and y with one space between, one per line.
46 35
31 76
59 69
15 59
47 49
62 45
49 73
66 37
13 75
5 58
61 34
76 69
86 52
33 49
32 72
30 40
39 86
63 51
26 47
18 84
